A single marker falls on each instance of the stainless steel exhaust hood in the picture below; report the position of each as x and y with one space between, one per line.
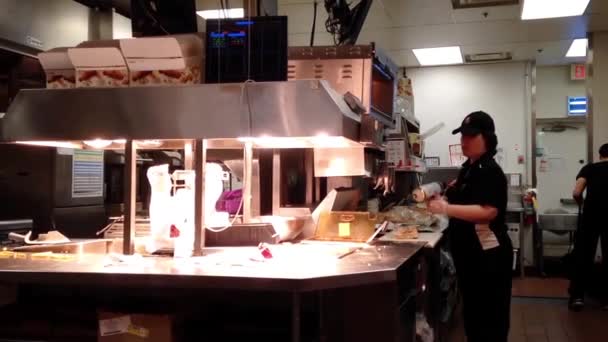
28 27
260 111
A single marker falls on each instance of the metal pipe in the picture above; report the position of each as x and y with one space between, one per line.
130 199
310 162
247 181
200 162
533 121
589 89
276 181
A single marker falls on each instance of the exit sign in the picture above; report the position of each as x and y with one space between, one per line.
578 72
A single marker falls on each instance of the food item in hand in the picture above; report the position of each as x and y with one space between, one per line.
407 232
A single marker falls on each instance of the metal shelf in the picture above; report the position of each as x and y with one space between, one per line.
412 126
416 165
374 147
567 120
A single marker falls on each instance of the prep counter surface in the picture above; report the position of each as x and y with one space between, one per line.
292 268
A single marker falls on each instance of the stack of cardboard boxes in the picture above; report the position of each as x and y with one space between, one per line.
169 60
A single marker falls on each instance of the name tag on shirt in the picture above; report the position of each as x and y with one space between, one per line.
486 236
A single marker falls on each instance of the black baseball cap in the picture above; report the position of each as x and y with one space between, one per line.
476 123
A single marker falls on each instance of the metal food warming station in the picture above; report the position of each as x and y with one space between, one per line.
202 118
298 114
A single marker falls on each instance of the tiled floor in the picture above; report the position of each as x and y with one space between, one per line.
540 287
548 319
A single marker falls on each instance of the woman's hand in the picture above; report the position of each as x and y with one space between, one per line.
438 205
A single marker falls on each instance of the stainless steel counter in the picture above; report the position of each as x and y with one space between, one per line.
292 268
11 225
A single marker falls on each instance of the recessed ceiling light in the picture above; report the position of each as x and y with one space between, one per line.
542 9
439 56
578 48
222 13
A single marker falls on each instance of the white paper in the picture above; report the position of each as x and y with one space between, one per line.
486 236
114 326
514 180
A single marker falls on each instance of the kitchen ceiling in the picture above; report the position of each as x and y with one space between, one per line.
121 6
398 26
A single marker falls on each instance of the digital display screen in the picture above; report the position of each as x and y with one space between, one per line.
577 106
242 49
225 39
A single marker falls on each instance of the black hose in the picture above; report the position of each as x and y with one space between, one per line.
314 24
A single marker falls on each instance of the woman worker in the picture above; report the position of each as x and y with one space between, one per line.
483 254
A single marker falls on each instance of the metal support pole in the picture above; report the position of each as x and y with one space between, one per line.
276 181
522 244
188 156
247 181
309 165
130 199
200 162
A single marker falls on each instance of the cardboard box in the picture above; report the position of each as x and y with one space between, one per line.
99 64
117 327
170 60
59 70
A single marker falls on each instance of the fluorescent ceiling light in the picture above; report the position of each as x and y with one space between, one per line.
542 9
222 14
578 48
439 56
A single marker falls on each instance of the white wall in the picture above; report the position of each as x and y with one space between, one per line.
121 26
563 150
599 86
553 86
448 94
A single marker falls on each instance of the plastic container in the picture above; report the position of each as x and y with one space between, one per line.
426 191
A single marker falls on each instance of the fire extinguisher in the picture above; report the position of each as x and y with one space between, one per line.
530 202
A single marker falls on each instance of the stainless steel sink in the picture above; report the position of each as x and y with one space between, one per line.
93 246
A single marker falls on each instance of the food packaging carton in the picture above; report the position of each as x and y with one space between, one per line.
59 70
99 64
119 327
169 60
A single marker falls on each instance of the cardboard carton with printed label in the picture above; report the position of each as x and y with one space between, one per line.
170 60
99 64
59 70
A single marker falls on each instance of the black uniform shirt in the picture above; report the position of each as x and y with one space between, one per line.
596 176
480 183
